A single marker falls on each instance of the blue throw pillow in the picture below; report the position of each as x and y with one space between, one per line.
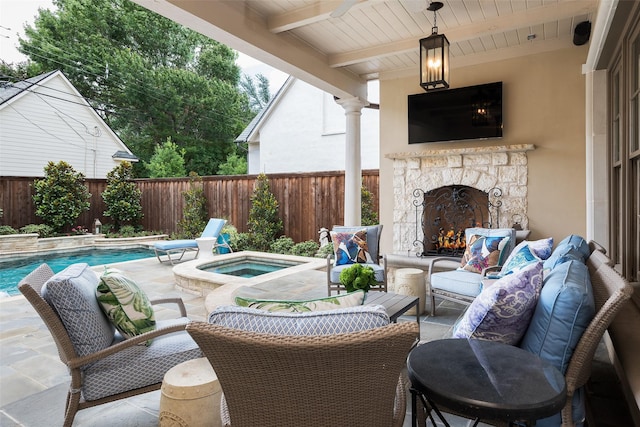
563 253
525 253
563 312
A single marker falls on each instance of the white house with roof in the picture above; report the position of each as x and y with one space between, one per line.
44 119
303 129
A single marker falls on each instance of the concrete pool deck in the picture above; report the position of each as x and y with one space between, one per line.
33 381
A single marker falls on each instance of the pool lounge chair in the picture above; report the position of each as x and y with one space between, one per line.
169 247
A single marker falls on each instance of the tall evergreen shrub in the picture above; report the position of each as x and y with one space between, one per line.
61 196
195 215
122 196
264 223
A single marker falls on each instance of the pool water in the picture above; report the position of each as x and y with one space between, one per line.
12 271
246 269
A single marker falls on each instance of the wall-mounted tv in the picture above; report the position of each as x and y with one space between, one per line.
473 112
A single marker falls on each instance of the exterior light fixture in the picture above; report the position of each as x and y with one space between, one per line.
434 56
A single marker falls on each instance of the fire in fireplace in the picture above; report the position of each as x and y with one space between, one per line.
444 213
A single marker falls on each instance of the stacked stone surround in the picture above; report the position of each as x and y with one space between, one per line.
484 168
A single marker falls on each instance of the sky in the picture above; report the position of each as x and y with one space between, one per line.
14 14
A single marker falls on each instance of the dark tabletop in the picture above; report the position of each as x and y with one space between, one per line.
486 379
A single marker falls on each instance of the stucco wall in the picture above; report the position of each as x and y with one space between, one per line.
543 104
306 133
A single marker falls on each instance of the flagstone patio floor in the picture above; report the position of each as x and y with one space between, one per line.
33 381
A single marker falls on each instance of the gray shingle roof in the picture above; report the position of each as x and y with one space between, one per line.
9 90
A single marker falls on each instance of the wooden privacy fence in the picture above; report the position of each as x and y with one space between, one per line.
308 201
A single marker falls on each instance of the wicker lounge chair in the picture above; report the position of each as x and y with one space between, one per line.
122 368
348 379
168 247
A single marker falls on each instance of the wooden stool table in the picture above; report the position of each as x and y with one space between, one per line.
190 395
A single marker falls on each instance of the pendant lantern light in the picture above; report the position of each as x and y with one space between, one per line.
434 56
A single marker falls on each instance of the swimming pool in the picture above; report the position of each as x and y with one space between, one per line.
12 271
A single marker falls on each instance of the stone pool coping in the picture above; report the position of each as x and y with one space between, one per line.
193 280
10 249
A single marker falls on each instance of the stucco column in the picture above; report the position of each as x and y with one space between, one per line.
352 168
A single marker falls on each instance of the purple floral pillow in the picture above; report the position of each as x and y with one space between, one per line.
503 310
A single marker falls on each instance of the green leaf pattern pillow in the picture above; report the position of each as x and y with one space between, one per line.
125 304
350 299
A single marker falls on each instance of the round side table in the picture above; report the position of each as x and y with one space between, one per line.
205 247
410 281
484 380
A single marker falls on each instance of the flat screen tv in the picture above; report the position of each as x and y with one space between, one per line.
473 112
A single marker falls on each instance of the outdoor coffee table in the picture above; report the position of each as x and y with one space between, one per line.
484 380
394 304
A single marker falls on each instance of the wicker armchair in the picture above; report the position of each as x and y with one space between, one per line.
125 367
348 379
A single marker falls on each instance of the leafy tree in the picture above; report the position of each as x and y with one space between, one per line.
149 77
195 209
368 215
20 71
259 95
122 196
264 223
61 196
235 165
167 161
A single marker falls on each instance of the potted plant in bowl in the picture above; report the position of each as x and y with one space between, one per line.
358 276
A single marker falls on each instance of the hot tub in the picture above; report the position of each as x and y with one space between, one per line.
203 275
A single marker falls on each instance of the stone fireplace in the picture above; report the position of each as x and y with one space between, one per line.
491 169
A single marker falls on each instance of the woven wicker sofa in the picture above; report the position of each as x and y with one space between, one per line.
580 296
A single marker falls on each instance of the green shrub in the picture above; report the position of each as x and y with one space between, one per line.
325 250
122 196
282 245
42 230
194 215
107 229
232 231
264 223
243 242
368 215
308 248
61 196
5 230
128 231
